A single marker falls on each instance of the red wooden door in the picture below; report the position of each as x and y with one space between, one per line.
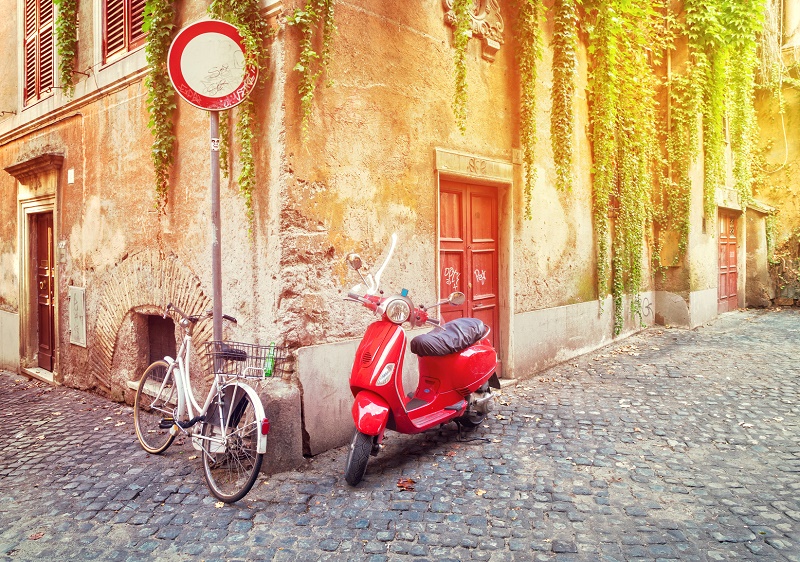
45 287
468 252
728 270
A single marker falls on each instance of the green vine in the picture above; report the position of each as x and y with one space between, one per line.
255 33
723 49
749 17
312 63
66 42
627 41
565 40
530 40
461 35
158 24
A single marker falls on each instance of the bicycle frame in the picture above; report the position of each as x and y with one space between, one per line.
187 404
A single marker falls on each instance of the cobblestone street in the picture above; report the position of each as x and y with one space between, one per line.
670 444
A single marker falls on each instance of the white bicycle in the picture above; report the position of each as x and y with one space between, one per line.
230 429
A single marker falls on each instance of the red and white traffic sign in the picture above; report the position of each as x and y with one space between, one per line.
206 64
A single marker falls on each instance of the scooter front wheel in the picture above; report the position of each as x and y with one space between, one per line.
357 457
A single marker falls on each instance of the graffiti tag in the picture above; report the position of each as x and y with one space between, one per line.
480 276
451 277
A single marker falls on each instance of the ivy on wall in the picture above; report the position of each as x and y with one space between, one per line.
530 45
626 44
723 57
565 41
158 23
66 42
255 33
312 62
461 35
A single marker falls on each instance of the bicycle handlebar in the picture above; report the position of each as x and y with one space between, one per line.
194 318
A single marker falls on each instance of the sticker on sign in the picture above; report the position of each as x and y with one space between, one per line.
207 66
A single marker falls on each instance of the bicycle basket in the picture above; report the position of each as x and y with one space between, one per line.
247 360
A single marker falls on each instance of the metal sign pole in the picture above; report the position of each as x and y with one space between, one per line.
216 231
205 67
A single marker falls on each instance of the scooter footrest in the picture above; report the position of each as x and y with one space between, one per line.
458 406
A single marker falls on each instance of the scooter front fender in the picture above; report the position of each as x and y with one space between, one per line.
370 413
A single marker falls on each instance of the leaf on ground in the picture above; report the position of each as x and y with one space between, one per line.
480 492
451 453
119 424
192 457
36 536
406 484
219 505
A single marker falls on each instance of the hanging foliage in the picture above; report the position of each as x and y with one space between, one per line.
530 41
461 35
158 24
312 63
722 46
626 43
255 33
565 64
66 43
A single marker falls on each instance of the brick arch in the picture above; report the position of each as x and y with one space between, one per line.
143 281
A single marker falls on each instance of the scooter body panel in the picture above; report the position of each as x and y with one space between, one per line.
464 372
370 413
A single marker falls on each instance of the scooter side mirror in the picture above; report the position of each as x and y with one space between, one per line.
457 298
354 261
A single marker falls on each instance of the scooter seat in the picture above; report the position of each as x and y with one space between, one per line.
453 337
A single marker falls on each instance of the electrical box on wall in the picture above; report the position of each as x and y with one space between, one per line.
77 316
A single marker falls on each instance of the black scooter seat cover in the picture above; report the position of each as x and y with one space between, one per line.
456 335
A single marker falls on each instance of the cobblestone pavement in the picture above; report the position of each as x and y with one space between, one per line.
670 444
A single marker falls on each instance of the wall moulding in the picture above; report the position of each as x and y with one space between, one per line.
461 164
487 24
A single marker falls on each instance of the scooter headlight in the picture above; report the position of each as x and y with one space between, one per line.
386 375
398 311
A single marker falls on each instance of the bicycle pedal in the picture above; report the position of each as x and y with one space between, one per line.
166 423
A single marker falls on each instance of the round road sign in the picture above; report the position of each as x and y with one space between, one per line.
206 64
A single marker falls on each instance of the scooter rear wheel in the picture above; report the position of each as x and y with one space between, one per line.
357 457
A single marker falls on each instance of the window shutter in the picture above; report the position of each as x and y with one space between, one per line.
47 59
114 26
30 49
137 19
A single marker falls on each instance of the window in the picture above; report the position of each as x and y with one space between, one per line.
39 49
122 26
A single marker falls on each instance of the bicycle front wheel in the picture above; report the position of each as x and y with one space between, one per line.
154 407
231 460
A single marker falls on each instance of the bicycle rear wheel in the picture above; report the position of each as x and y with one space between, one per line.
154 407
231 460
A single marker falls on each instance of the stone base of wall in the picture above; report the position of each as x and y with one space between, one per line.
9 341
543 338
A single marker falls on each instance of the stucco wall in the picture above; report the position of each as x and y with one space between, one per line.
759 287
780 141
8 64
9 341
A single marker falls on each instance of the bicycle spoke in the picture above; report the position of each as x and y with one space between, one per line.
231 473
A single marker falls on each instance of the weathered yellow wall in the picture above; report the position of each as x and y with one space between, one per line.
780 141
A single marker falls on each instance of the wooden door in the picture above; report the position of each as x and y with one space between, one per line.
728 269
45 287
468 247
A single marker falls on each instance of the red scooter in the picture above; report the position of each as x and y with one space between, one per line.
457 370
